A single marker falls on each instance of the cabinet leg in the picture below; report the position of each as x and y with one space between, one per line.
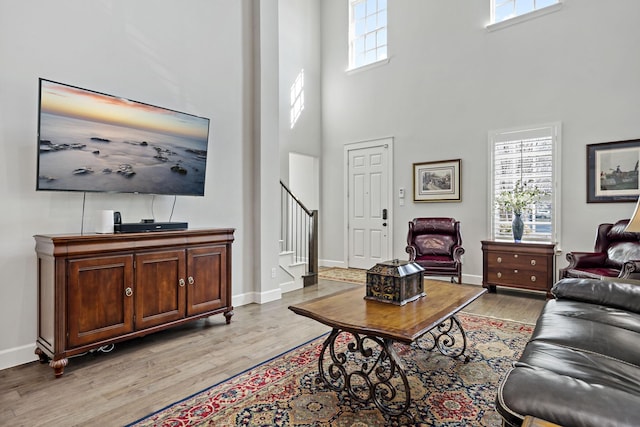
41 355
227 316
58 366
490 288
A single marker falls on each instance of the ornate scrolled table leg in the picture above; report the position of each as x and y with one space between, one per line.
444 339
373 373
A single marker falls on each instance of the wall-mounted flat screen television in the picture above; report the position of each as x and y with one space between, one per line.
93 142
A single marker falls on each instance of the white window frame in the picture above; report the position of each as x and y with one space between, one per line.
535 13
552 130
372 34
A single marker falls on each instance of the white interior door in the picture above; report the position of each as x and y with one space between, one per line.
368 201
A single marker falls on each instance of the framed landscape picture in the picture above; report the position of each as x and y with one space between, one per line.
612 172
437 181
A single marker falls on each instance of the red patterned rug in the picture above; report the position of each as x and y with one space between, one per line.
283 391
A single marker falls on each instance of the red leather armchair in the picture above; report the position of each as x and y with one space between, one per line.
436 245
616 254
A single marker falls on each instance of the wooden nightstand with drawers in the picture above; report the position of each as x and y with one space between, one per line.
518 265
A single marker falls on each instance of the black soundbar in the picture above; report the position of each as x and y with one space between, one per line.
143 227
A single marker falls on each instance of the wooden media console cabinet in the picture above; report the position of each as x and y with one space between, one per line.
98 289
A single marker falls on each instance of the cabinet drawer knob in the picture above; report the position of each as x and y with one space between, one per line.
128 292
533 262
181 283
515 255
499 275
499 259
533 278
515 271
191 281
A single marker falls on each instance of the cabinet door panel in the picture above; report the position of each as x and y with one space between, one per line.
207 273
100 299
160 288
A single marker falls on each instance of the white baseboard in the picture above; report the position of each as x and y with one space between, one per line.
243 299
330 263
471 279
290 286
17 356
256 297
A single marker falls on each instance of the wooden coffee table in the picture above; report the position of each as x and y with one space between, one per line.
378 375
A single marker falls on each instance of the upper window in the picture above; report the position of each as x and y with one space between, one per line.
530 157
367 32
502 10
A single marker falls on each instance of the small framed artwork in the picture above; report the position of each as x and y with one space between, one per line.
612 172
437 181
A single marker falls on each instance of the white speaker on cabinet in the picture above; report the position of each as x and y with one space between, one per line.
104 224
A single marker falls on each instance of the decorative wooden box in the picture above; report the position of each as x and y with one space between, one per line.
396 282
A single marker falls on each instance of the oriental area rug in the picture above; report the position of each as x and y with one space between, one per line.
284 392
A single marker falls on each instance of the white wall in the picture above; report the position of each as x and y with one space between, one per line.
304 179
299 49
449 82
184 55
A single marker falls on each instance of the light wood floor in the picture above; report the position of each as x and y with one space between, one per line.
144 375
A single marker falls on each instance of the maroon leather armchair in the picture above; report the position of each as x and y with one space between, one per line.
436 245
616 254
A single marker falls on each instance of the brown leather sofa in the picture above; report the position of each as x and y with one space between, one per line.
581 366
436 245
616 254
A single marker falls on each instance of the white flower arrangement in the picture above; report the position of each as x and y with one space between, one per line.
520 198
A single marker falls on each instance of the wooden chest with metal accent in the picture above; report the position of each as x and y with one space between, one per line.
397 282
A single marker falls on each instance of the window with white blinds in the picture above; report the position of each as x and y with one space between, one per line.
531 156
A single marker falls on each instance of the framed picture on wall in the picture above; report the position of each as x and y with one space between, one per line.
437 181
612 172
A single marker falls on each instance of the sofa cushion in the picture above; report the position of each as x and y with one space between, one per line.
610 293
617 232
620 252
435 244
593 328
564 400
592 273
580 368
436 261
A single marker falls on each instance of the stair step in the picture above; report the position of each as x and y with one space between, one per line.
310 279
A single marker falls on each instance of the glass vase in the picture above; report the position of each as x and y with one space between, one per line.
518 227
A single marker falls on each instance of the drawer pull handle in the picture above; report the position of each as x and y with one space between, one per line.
533 262
191 281
515 255
533 278
499 259
499 275
181 283
128 292
515 271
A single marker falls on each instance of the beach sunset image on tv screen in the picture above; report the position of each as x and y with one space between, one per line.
90 141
